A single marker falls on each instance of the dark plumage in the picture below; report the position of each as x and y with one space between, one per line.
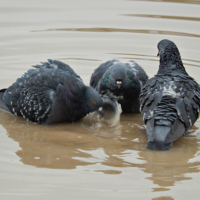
170 101
2 103
51 93
123 80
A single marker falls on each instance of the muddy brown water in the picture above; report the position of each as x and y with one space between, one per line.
88 159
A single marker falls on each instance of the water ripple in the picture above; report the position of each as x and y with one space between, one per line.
165 17
103 29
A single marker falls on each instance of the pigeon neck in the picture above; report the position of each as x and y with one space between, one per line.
171 61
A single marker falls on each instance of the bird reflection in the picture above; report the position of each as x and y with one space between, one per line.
117 148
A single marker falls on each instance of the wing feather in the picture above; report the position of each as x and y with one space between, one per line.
157 109
33 95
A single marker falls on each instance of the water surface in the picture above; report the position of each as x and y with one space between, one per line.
87 159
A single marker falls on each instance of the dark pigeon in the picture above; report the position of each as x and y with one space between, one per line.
124 80
50 93
170 101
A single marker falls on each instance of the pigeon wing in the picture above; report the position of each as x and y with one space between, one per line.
56 64
32 95
181 108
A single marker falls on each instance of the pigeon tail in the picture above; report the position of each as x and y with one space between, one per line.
2 103
160 133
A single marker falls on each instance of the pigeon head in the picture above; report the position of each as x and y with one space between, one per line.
118 73
165 45
93 99
169 55
114 77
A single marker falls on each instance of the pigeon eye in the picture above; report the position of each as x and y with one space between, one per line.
113 76
93 103
159 48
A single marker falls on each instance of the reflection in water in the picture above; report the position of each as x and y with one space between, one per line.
168 167
163 198
124 31
123 146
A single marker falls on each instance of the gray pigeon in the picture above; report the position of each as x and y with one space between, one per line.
50 93
170 101
124 80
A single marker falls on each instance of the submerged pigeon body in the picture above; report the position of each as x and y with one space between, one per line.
50 93
109 114
170 101
124 80
111 109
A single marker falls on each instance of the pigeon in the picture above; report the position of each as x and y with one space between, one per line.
50 93
123 80
170 101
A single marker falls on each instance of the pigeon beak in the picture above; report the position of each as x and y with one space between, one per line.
119 84
158 54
